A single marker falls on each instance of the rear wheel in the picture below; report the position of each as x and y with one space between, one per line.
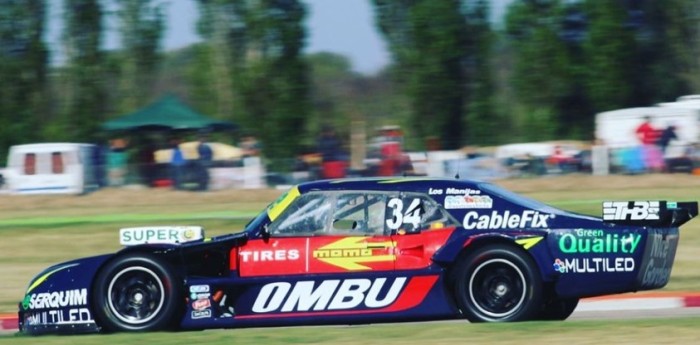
497 283
137 293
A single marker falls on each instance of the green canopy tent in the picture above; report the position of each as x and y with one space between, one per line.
167 113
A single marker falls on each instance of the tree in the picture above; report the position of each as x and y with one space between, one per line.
277 38
260 50
542 74
141 25
683 37
669 44
23 70
609 52
219 66
84 104
483 123
427 40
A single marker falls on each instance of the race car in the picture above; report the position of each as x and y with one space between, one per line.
364 251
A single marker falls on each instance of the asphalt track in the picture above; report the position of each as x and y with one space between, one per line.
646 305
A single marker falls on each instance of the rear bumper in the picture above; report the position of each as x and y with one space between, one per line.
658 257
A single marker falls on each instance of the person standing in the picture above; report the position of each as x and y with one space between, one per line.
330 147
177 164
651 153
668 134
205 158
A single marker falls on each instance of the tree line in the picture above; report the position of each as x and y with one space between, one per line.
456 78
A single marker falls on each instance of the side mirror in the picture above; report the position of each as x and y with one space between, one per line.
265 233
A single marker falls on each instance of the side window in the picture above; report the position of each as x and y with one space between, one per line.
56 163
309 214
30 164
359 214
414 212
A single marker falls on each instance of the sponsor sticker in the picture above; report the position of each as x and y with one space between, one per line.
461 191
506 220
160 234
659 256
351 253
468 201
195 296
201 314
633 210
201 304
59 317
269 255
55 299
583 241
594 265
199 288
326 295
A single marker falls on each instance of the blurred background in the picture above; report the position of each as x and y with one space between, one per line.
283 91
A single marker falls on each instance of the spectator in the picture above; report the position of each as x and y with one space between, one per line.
651 153
177 164
250 146
117 159
329 146
646 133
204 163
667 135
147 162
561 160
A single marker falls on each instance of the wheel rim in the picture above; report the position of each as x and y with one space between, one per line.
135 295
497 288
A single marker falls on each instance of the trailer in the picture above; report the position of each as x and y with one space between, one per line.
50 168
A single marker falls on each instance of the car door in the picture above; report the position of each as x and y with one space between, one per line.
323 233
418 227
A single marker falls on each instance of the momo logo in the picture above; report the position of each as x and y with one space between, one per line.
327 295
496 220
351 253
633 210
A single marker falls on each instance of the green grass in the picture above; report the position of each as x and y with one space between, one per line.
656 331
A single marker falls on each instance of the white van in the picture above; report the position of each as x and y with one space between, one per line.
50 168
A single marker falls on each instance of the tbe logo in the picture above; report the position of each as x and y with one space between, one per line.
633 210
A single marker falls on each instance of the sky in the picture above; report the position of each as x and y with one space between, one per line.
345 27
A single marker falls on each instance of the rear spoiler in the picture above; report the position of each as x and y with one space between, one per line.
659 214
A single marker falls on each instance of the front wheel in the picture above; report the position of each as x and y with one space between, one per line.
497 283
136 293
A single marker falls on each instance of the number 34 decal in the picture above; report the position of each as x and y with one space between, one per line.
399 217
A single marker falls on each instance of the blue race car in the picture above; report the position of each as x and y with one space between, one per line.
363 251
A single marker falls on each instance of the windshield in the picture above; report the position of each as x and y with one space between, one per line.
273 210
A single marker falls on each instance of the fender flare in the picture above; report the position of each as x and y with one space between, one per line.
532 242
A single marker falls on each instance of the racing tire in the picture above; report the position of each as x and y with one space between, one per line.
558 309
137 293
497 283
